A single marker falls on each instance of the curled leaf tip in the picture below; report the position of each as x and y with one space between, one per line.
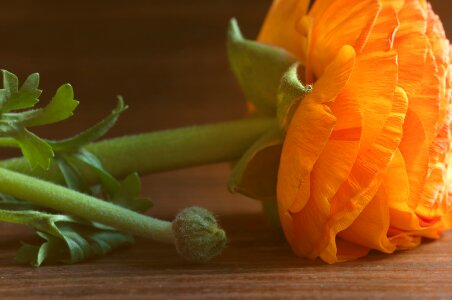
291 91
198 236
234 32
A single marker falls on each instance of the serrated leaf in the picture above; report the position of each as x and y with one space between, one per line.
37 151
10 86
128 194
13 98
290 93
109 183
91 134
255 174
60 108
10 82
125 193
258 68
66 239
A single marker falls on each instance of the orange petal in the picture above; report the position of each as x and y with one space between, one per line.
370 229
336 24
347 250
418 72
440 49
435 201
383 30
364 180
405 241
397 188
405 224
307 136
375 92
329 172
414 149
279 27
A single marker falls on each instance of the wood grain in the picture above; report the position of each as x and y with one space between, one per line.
168 59
257 263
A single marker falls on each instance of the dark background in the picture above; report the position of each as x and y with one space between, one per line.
167 58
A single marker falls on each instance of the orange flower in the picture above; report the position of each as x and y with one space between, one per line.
365 162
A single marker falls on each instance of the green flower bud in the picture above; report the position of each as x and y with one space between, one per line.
198 237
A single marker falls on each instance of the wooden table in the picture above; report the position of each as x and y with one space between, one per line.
257 263
167 59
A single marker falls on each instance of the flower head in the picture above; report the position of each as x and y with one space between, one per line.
365 161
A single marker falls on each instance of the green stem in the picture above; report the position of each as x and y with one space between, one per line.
163 150
8 142
50 195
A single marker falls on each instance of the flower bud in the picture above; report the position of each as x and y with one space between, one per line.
198 237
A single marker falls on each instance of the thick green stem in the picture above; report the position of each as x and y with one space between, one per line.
8 142
163 150
50 195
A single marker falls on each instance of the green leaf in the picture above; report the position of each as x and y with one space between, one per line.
291 91
128 194
255 174
258 68
66 239
37 151
12 98
10 86
109 183
60 108
11 203
10 82
71 176
91 134
125 193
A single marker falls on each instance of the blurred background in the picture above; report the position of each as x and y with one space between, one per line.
166 58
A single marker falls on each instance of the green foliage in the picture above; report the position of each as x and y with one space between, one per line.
258 68
13 98
254 175
290 92
16 115
65 239
92 134
125 193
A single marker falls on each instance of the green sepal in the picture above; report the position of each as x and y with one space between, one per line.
255 174
270 210
291 91
258 68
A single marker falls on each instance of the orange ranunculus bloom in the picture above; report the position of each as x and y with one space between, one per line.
365 163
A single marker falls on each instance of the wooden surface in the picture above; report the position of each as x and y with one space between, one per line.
257 263
167 58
